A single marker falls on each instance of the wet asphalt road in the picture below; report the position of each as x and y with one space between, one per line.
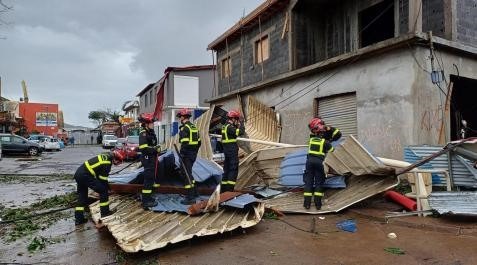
64 162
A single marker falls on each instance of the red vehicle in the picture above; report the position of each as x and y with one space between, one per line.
131 147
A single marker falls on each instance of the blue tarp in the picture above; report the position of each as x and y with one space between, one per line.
172 203
293 166
203 171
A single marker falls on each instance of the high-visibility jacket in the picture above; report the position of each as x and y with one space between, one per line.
230 133
189 136
147 141
99 166
318 146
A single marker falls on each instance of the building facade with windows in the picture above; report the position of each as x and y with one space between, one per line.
391 72
180 87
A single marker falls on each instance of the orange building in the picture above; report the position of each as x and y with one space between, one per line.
40 117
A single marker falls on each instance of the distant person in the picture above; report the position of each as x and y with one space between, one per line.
72 141
94 174
98 139
92 138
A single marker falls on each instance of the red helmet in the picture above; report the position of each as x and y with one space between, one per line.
183 113
316 124
118 156
146 117
233 114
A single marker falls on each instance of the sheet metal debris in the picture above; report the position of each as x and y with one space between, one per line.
463 173
241 201
352 158
171 203
464 202
359 188
136 229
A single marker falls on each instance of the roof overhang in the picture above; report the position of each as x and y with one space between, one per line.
261 13
144 90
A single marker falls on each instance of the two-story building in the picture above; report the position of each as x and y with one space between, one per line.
387 71
180 87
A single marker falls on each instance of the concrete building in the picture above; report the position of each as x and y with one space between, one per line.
180 87
40 117
371 68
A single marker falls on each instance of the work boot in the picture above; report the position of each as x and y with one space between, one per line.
318 202
79 218
148 202
190 198
307 202
106 212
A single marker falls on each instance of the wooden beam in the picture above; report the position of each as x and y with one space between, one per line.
415 16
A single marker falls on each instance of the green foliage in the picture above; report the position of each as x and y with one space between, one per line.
38 243
100 116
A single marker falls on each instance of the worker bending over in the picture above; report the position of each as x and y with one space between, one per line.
94 174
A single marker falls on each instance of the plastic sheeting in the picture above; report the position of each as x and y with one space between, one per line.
171 203
293 166
202 171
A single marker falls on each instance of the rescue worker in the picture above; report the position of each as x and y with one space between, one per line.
230 131
147 146
330 134
314 175
94 174
190 142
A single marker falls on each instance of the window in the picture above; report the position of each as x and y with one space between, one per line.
6 139
17 140
262 50
226 67
150 97
145 100
376 23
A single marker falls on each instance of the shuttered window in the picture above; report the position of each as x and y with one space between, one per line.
339 111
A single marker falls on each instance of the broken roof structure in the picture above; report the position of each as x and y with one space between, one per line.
136 229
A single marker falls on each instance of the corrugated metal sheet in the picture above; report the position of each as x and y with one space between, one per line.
358 189
241 201
136 229
261 124
340 112
352 158
463 173
262 167
454 202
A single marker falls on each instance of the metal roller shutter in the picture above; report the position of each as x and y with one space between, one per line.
339 111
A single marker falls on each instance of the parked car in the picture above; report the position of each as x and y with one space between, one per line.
120 144
109 141
12 144
50 143
36 138
132 147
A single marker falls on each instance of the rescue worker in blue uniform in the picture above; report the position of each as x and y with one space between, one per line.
189 138
148 149
94 174
230 131
314 176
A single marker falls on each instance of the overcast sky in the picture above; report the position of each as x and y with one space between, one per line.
96 54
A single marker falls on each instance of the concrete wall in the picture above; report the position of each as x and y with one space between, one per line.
148 106
241 51
206 85
396 100
466 22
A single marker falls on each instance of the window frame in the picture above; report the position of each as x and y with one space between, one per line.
258 47
226 61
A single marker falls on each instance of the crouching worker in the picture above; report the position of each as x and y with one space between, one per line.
314 176
94 174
